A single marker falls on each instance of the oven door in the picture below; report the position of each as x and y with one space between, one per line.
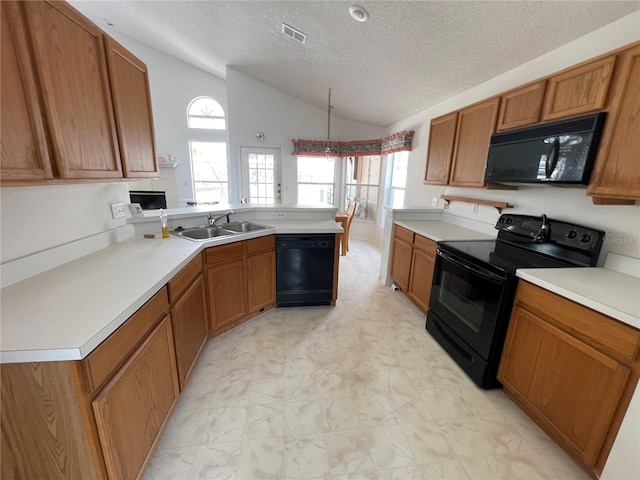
468 299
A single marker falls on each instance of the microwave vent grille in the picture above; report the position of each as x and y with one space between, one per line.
563 127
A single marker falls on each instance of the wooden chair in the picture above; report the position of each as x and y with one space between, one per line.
351 211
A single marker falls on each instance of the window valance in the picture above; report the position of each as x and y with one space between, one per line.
382 146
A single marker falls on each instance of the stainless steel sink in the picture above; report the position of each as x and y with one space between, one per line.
203 233
221 230
242 227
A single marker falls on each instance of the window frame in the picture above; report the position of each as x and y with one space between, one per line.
208 135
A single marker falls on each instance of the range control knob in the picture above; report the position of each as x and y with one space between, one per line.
571 234
586 238
509 220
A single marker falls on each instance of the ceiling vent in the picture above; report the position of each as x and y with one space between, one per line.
293 33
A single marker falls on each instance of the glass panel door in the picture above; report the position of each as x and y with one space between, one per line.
261 175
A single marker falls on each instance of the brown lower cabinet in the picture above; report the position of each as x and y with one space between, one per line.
572 370
95 418
134 406
188 316
412 265
240 281
423 262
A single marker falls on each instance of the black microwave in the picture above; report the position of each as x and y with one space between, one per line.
559 152
148 200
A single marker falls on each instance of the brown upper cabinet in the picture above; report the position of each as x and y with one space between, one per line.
579 90
70 61
476 124
59 121
521 107
25 155
132 104
617 168
440 151
610 83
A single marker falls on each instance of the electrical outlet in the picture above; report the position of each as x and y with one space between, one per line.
281 215
118 210
434 202
475 208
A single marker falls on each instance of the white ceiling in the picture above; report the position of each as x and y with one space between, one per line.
407 57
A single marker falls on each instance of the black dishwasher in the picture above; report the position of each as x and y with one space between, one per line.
304 269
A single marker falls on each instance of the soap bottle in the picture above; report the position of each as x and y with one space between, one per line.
163 222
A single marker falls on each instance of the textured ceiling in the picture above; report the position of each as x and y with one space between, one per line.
407 57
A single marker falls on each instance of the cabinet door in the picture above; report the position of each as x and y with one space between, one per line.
401 263
190 329
617 169
579 90
133 408
227 297
571 389
70 62
521 107
422 266
25 154
132 107
441 138
476 124
261 281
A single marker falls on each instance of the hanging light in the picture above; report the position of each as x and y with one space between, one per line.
327 150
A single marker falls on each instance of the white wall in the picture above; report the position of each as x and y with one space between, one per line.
257 107
41 217
622 223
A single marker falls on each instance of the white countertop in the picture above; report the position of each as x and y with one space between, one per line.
601 289
65 312
438 230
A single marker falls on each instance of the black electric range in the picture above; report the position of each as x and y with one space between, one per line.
474 284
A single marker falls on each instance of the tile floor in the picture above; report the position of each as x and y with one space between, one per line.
355 391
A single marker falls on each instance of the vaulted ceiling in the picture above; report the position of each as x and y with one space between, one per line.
408 56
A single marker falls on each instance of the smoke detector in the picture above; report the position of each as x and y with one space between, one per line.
358 13
294 33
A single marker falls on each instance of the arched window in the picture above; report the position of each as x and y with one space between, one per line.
206 113
208 149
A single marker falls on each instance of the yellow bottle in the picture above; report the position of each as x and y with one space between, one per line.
163 221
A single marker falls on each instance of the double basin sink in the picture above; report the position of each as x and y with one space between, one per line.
221 230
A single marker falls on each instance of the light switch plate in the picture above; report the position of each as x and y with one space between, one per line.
136 210
118 210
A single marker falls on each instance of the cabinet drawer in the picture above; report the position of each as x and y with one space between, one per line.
425 244
224 253
261 244
589 326
403 234
102 363
184 278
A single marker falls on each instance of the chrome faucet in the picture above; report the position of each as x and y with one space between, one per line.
211 219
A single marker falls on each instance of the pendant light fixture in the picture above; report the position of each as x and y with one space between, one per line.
327 150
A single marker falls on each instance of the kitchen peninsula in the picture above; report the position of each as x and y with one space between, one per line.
81 340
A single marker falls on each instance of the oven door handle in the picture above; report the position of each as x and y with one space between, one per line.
472 268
